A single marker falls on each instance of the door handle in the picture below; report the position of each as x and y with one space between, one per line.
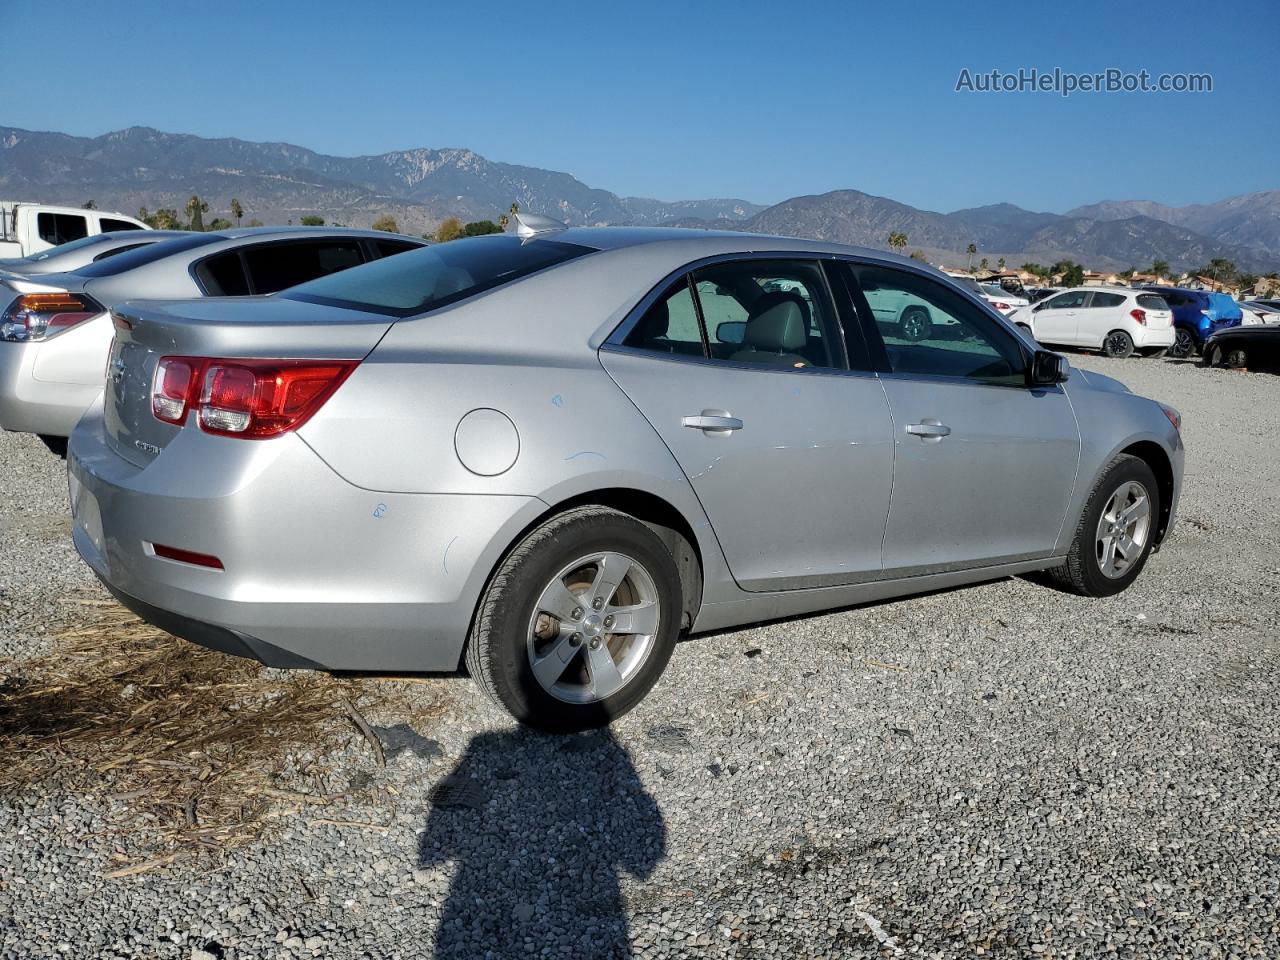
714 422
929 430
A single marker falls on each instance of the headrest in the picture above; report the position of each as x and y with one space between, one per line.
777 321
656 321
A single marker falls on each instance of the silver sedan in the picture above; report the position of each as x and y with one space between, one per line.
548 455
80 253
55 329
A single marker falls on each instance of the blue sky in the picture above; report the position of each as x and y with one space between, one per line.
760 100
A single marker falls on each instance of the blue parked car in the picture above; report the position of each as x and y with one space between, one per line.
1197 315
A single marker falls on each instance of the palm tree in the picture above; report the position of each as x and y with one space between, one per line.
237 211
1000 264
196 208
1159 268
897 241
971 250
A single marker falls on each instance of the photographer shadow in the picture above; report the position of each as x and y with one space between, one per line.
540 828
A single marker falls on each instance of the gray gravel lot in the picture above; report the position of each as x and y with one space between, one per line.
998 771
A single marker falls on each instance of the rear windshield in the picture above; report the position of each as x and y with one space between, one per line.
430 277
1149 301
148 254
69 246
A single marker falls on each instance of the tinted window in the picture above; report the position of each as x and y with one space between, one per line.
1066 301
929 329
59 228
275 266
431 277
1106 300
389 248
66 247
149 253
969 284
116 251
108 225
670 325
223 275
775 313
1149 301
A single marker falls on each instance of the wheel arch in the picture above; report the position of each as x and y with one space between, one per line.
1155 457
655 512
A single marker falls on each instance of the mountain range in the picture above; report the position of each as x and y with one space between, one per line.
275 182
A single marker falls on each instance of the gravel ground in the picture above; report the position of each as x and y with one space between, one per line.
1002 771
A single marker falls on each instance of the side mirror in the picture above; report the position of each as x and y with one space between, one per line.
731 331
1047 368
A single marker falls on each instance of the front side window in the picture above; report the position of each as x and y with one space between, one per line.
936 332
430 277
1065 301
59 228
108 225
774 313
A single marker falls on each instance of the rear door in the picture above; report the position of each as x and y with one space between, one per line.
740 366
1056 320
1099 316
984 466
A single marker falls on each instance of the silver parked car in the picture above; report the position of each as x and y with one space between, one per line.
55 329
80 253
549 455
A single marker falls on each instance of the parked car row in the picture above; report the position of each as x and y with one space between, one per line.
550 453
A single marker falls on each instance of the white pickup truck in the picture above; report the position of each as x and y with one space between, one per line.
27 228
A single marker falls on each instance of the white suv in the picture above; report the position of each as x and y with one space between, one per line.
1115 320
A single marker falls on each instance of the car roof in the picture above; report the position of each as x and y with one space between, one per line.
239 233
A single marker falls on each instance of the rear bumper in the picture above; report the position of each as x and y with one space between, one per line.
1146 338
316 572
38 406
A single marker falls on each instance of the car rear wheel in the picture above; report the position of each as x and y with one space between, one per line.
578 622
1116 532
1118 344
915 324
1184 344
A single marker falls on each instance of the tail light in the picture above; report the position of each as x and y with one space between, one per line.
244 398
39 316
1002 307
1139 315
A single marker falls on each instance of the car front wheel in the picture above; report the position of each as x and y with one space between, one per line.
578 622
1235 358
1116 532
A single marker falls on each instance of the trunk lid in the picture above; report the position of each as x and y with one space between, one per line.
242 327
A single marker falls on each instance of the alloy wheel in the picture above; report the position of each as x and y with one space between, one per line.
1123 529
1183 344
592 627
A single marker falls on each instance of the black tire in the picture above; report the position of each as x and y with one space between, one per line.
57 445
1026 328
1184 344
1233 358
915 324
498 649
1082 573
1117 345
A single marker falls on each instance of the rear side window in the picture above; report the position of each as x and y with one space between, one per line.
1106 300
276 266
1149 301
670 325
109 225
431 277
59 228
223 275
389 248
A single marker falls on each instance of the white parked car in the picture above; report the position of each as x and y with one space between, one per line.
1256 313
998 297
1115 320
27 228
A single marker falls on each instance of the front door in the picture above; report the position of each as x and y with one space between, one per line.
1057 319
985 466
789 451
